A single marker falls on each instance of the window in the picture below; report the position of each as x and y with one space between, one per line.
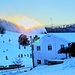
27 55
45 62
49 47
38 48
30 55
39 61
6 57
62 46
21 55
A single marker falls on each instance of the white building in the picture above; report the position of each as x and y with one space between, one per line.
46 48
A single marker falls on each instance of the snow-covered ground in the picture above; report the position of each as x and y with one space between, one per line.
11 49
67 68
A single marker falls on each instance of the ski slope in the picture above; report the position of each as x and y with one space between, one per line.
11 50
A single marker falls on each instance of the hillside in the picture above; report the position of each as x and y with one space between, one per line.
9 47
9 26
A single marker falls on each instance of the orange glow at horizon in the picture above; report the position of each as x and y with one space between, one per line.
25 22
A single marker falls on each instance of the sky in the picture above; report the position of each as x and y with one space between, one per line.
46 12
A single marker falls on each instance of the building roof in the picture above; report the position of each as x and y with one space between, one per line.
70 37
67 36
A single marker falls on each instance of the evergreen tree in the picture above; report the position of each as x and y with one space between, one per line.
2 30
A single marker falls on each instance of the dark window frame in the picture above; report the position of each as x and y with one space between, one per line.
46 62
62 45
38 48
38 61
49 47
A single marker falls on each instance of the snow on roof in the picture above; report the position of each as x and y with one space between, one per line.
67 36
41 37
61 36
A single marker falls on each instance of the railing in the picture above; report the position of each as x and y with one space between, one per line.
15 71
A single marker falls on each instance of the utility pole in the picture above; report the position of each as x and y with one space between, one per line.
33 55
32 50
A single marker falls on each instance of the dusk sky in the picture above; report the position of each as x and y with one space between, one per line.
61 11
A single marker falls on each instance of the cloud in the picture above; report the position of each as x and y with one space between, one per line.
25 21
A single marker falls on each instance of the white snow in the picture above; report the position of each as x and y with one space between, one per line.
67 68
67 36
12 50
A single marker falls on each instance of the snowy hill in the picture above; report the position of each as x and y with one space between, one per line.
9 51
9 26
18 28
9 47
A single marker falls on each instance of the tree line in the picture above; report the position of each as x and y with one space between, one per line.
2 30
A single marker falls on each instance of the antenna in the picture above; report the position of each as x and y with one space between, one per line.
51 21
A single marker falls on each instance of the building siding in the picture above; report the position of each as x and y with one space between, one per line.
44 53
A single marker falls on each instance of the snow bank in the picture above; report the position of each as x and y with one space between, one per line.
69 63
67 68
